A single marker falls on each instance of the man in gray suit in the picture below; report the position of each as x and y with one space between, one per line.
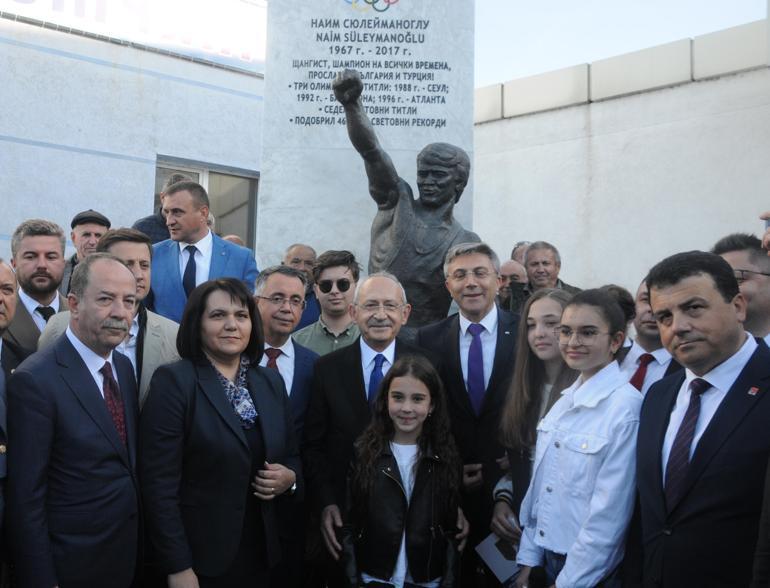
37 247
152 338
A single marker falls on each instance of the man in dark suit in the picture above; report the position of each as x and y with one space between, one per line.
703 433
9 361
72 487
477 350
344 385
37 247
280 295
194 254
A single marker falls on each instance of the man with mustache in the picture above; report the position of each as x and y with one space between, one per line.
703 439
344 386
37 247
73 513
151 340
646 360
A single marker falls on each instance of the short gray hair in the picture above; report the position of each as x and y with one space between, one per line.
469 249
386 275
284 270
543 245
81 275
36 227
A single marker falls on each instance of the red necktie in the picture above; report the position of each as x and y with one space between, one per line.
637 380
113 401
272 357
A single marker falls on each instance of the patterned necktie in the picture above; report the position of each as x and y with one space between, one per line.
679 458
46 311
272 357
113 400
637 380
375 378
476 367
188 279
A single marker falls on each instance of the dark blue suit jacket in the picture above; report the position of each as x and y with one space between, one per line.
72 487
304 360
708 538
227 261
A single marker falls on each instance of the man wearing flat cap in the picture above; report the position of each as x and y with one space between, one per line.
87 228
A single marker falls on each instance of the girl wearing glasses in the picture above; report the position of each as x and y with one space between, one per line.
539 377
579 502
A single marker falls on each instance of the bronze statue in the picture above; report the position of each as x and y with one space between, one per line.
409 237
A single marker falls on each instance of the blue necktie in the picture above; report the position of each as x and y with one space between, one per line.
375 378
188 279
476 368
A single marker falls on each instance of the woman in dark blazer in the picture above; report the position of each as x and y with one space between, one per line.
217 447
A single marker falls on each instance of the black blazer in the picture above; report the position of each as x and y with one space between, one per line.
337 414
708 538
304 359
761 575
195 465
72 488
477 436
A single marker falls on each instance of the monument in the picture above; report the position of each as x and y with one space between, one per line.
410 237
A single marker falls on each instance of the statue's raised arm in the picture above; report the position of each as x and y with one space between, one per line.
383 178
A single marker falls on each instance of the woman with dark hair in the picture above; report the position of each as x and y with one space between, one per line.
539 377
404 485
579 502
214 434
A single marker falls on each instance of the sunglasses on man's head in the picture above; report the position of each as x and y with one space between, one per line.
325 286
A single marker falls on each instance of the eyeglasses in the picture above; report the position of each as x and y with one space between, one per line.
372 307
479 273
278 300
585 336
742 274
325 286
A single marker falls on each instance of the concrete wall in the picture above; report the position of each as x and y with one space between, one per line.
83 121
618 175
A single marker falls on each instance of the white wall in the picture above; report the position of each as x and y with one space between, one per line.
82 122
621 183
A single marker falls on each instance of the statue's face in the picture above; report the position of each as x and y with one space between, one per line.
437 184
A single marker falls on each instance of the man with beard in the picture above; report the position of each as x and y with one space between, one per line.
73 510
37 247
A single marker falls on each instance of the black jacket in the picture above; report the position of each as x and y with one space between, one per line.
375 525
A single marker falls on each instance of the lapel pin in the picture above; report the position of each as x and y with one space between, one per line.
507 332
753 391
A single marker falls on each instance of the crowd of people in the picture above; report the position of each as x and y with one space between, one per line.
171 416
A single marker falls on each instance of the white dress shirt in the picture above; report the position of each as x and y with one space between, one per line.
285 362
202 258
488 344
93 361
581 496
367 360
767 339
656 369
128 346
721 379
31 304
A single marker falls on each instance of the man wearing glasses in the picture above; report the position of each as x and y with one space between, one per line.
751 266
335 275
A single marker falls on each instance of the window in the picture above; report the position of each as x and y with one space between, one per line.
232 193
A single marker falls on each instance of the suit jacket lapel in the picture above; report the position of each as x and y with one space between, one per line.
82 384
738 402
212 389
267 410
658 433
354 373
506 340
455 375
127 384
219 257
23 328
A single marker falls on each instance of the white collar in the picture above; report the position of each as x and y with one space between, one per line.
287 348
723 376
592 391
661 354
31 304
204 245
489 322
368 354
93 361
